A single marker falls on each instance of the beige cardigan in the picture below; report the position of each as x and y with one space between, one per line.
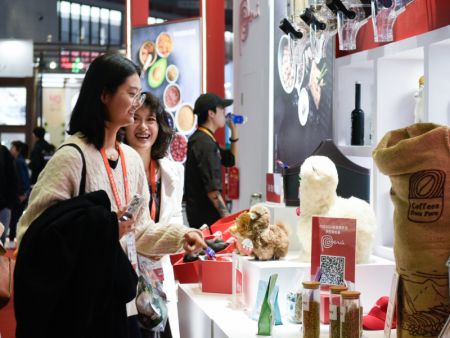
60 180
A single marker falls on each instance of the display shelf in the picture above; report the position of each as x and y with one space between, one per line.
207 315
389 79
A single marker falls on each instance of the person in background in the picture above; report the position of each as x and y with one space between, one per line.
108 99
203 182
19 151
150 135
40 154
9 188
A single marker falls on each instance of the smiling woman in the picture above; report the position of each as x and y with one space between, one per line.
108 100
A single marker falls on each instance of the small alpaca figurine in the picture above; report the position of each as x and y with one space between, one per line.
269 241
318 183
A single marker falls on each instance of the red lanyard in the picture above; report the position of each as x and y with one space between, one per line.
152 173
207 132
111 177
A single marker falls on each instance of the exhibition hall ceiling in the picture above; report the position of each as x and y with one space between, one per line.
179 9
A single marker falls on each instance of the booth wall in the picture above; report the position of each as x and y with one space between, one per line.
252 97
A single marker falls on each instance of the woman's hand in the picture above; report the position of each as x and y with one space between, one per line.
193 242
125 226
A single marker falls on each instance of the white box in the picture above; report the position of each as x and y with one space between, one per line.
279 212
373 280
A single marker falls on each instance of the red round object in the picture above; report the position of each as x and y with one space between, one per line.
178 148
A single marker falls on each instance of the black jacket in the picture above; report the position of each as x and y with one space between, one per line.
40 154
72 278
9 181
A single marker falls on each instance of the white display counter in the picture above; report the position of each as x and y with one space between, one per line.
210 315
373 279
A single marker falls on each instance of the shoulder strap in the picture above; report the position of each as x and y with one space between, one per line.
83 170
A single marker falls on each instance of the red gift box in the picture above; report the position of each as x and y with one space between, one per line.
175 257
222 224
186 272
215 275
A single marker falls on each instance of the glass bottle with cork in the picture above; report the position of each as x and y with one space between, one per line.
335 305
311 309
350 314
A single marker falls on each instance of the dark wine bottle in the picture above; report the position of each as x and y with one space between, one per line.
357 138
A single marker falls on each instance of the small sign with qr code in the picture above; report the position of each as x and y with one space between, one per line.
333 249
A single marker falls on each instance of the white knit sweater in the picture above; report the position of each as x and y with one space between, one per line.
60 180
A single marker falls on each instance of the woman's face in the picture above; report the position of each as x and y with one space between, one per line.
14 151
142 134
122 105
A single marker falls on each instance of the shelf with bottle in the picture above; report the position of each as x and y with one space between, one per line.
389 77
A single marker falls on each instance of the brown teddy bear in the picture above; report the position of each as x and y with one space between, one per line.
269 241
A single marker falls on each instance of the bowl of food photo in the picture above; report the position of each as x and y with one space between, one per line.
185 119
286 65
172 97
178 148
172 73
164 44
147 54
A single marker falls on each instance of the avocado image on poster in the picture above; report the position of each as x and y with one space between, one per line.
157 73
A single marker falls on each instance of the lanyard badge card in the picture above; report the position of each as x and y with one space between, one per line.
132 209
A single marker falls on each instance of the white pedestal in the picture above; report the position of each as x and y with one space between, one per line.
373 280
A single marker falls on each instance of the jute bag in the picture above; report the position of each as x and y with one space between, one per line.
417 161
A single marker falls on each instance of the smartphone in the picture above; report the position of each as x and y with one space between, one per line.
132 207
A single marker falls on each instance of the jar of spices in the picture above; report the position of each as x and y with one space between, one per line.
335 313
350 314
311 309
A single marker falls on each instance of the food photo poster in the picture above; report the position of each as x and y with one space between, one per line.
171 60
303 95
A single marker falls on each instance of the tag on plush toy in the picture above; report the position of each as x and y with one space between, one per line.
333 245
266 315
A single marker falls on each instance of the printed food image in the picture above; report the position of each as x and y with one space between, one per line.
172 96
288 72
178 148
147 54
316 82
164 44
172 73
286 66
185 119
156 74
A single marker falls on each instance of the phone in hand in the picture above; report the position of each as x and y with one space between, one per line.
132 207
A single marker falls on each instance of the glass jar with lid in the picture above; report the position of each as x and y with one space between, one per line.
311 310
335 304
350 314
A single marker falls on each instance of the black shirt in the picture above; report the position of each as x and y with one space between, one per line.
203 175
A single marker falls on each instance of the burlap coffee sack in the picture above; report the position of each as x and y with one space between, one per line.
417 161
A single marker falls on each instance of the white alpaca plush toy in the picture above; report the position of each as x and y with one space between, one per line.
318 183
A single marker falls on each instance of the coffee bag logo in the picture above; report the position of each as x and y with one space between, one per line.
426 196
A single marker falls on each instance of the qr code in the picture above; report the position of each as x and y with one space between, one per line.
333 270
